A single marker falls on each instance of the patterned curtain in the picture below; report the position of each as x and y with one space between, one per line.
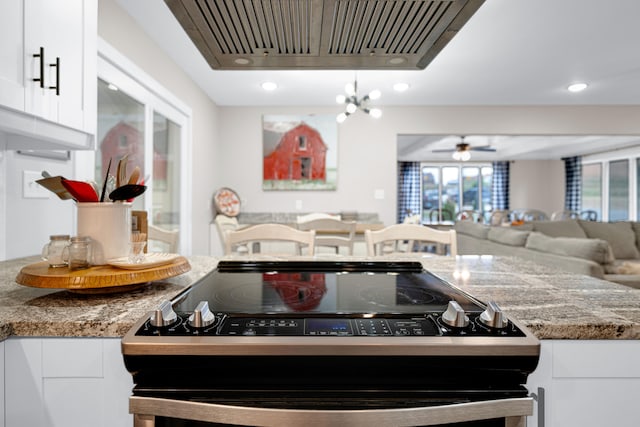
500 186
408 189
573 183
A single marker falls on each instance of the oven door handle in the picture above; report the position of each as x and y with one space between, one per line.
145 409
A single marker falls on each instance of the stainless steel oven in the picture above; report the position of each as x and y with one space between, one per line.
328 344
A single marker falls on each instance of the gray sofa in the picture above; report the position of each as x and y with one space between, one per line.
605 250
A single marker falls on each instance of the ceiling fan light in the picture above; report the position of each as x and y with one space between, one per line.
376 113
351 108
465 155
341 117
456 155
340 99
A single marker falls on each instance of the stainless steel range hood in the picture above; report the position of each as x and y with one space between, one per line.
321 34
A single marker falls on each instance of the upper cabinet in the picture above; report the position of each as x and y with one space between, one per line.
48 70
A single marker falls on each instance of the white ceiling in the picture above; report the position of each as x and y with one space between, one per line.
511 52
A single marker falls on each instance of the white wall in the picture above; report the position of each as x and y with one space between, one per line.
30 221
537 184
367 152
118 29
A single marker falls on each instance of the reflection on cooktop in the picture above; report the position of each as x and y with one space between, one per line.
324 292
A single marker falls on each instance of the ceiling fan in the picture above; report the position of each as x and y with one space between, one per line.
462 151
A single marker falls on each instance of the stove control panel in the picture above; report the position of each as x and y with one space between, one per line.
453 321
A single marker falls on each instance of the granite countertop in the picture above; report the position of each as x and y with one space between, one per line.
551 303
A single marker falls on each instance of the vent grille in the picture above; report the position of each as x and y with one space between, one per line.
322 34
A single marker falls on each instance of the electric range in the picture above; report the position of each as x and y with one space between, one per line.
329 336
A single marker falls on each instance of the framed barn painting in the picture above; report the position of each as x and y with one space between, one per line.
299 152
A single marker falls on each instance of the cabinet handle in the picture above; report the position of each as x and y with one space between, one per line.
41 56
57 86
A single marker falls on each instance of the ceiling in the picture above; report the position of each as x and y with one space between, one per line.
500 57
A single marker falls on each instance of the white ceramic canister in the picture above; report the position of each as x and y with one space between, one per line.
109 226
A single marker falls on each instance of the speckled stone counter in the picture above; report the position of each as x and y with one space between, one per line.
26 311
552 304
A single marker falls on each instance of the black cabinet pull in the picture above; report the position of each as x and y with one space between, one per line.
41 56
57 86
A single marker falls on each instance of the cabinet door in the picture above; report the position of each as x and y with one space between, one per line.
67 31
11 55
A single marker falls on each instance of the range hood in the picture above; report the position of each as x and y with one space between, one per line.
321 34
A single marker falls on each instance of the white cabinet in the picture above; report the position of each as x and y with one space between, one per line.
588 383
66 382
48 58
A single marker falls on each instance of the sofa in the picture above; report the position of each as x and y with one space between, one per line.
605 250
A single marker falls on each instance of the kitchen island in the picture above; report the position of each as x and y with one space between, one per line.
62 348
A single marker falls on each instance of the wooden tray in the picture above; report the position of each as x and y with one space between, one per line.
98 279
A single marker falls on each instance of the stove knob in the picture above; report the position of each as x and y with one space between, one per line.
164 315
455 316
493 317
202 316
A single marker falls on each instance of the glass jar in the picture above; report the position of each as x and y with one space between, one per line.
78 253
52 251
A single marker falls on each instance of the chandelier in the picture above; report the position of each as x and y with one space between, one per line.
354 104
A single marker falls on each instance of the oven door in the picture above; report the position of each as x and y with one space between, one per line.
161 412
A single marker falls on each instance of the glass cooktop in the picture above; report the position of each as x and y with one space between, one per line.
323 287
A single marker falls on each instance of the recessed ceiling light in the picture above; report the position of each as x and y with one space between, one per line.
577 87
241 61
400 87
269 86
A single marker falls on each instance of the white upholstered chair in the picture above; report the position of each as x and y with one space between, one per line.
332 233
168 238
269 233
402 238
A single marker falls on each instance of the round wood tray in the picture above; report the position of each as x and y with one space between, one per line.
97 279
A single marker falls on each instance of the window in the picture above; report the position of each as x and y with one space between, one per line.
302 142
619 190
447 190
592 188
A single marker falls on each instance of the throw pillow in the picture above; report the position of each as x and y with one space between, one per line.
507 236
620 236
562 228
472 229
596 250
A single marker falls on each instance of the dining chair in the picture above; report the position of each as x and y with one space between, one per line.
332 233
224 224
169 238
399 238
269 233
500 216
534 215
468 215
316 215
564 214
589 215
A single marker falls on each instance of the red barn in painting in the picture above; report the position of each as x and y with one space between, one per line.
293 151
